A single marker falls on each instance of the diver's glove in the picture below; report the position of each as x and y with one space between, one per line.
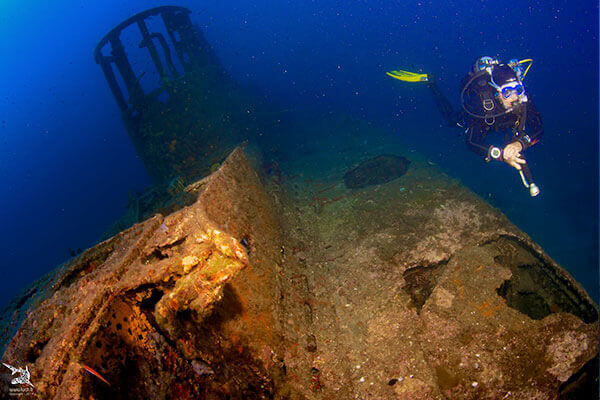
512 155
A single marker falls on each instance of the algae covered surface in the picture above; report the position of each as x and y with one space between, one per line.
290 250
290 285
419 289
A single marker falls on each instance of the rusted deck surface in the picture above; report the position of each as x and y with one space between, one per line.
414 289
417 289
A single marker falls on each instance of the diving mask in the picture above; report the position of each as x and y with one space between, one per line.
510 88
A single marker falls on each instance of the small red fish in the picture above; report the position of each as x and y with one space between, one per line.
96 374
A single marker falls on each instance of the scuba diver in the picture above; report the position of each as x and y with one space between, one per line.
493 98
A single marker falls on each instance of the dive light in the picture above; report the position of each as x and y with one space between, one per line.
527 179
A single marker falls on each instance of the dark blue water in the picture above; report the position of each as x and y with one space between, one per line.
67 166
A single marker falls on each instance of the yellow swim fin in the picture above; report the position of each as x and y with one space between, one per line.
407 76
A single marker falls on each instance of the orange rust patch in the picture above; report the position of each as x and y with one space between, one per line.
234 338
459 285
486 309
265 320
187 347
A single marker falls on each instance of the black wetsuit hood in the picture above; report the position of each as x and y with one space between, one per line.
478 97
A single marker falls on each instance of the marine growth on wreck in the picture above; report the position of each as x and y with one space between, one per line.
258 291
238 276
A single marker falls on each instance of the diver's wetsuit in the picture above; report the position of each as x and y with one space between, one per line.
477 128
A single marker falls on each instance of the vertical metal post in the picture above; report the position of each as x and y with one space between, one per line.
189 43
120 58
147 42
112 82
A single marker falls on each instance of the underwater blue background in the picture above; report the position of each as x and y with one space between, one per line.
67 165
